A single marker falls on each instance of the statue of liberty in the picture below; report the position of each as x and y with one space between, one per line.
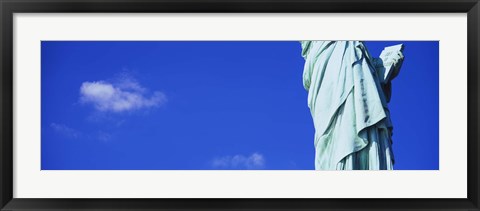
348 95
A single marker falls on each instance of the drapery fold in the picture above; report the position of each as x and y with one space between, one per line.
349 110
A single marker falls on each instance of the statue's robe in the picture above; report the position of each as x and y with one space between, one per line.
349 109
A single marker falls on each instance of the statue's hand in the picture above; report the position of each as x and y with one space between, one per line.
397 61
377 63
397 64
388 67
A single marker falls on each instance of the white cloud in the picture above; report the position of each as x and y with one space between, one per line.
124 95
254 161
65 130
124 81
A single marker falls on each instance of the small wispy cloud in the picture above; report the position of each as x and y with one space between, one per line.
254 161
65 130
104 136
125 94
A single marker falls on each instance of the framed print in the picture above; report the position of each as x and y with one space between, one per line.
224 105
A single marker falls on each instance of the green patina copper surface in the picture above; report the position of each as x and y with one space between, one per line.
346 97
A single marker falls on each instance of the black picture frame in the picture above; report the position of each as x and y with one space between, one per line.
9 7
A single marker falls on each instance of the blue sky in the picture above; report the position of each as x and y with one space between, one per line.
208 105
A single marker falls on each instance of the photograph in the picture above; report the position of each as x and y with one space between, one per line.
323 105
240 105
